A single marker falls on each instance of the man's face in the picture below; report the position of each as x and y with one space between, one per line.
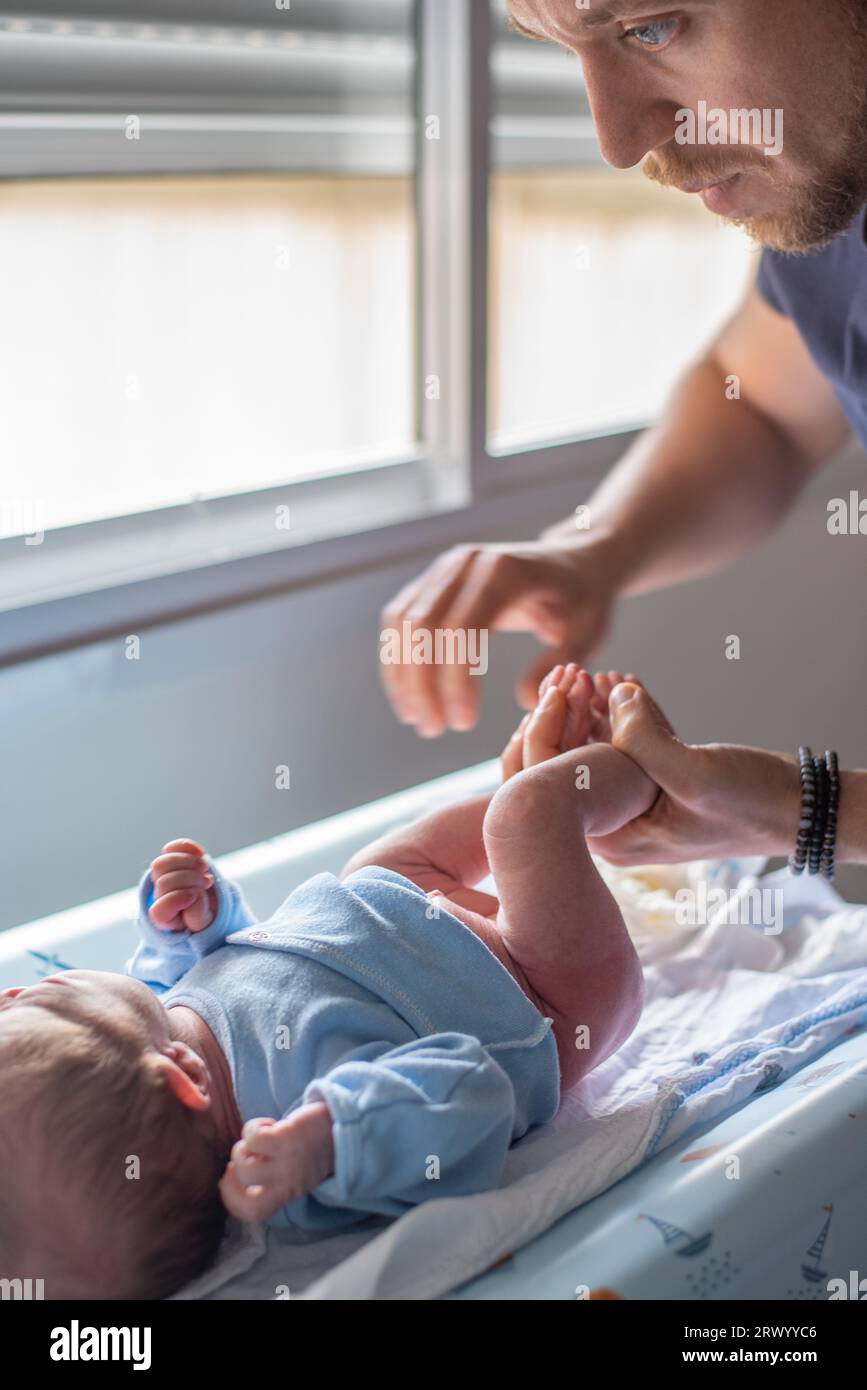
645 62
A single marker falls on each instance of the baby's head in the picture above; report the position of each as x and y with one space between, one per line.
110 1166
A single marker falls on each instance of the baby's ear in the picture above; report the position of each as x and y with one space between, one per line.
184 1073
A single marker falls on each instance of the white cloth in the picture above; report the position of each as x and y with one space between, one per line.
729 1008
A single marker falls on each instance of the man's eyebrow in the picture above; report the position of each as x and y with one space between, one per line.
597 18
589 19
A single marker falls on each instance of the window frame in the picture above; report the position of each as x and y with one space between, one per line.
119 574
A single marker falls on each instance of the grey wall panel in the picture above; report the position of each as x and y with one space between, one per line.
103 759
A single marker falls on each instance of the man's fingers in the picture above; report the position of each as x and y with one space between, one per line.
641 731
493 582
421 605
490 586
465 592
634 710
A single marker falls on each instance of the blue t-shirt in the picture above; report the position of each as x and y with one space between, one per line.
825 296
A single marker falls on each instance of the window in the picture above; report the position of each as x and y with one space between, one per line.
210 285
245 270
603 286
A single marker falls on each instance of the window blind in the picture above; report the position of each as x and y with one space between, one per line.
213 84
319 85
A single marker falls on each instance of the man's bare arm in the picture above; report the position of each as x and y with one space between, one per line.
852 827
718 474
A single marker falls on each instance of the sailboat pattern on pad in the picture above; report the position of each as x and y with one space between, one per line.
813 1271
691 1245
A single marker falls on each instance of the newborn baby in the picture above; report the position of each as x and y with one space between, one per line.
381 1040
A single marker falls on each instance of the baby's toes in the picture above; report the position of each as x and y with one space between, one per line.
579 714
512 760
554 677
603 686
544 733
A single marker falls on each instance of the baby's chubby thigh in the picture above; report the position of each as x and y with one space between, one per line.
486 929
594 1001
598 1006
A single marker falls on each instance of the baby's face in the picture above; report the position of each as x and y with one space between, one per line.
102 1002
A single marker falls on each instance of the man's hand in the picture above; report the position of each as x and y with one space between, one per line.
184 894
714 801
278 1161
563 592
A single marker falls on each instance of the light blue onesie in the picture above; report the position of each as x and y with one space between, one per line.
428 1054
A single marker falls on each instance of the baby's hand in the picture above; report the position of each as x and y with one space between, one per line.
572 712
278 1161
184 895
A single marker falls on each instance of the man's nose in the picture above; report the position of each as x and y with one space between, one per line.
629 125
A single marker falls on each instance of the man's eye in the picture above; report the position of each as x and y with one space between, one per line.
654 34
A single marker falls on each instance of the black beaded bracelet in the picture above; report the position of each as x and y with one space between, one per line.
829 845
798 861
820 804
820 818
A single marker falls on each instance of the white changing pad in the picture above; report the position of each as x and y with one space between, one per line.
729 1010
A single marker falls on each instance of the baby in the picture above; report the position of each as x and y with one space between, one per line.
396 1028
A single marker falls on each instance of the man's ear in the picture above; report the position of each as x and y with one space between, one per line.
185 1074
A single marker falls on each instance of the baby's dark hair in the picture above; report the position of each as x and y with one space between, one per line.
109 1184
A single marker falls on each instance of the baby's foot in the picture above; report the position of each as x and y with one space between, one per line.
184 894
572 712
564 717
562 720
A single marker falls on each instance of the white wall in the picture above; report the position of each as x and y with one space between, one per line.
105 759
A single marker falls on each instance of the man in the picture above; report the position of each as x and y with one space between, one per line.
718 474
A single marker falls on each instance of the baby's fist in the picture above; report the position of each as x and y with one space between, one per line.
184 893
278 1161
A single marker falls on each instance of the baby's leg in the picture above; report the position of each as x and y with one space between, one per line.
557 919
443 852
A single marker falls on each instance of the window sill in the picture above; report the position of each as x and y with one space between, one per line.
106 578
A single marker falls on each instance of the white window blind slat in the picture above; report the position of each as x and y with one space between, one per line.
325 85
